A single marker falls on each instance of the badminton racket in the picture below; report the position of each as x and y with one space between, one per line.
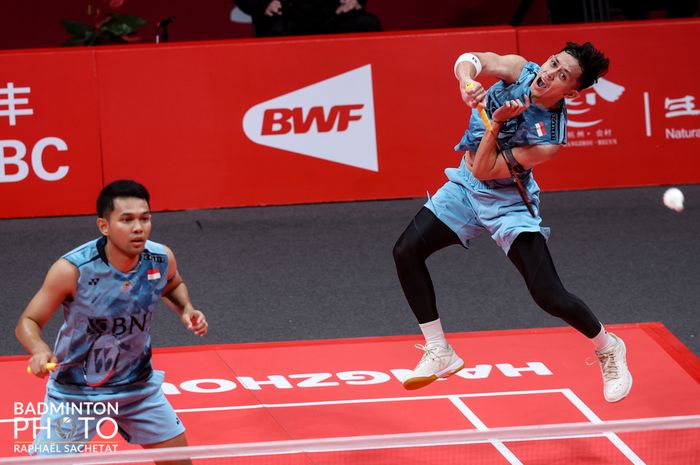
99 364
511 170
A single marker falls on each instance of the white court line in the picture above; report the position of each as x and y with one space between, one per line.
366 401
346 401
476 421
456 400
593 418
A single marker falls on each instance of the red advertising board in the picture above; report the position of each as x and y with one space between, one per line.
298 120
49 134
640 125
286 121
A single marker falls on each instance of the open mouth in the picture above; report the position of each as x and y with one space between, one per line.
540 83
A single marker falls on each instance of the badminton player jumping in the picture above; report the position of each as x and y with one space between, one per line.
108 289
528 115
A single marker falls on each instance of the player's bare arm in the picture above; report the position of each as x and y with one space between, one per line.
60 283
486 164
176 296
528 157
503 67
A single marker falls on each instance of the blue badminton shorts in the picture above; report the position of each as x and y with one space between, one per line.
469 207
75 416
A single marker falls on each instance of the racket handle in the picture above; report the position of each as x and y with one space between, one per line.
482 111
51 366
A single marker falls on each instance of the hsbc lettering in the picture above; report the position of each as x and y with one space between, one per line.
14 167
285 120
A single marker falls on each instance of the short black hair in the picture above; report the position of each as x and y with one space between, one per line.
591 60
120 188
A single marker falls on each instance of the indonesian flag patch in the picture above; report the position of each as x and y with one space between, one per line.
540 128
153 273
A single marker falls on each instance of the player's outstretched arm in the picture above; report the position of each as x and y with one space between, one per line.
503 67
473 64
176 296
60 283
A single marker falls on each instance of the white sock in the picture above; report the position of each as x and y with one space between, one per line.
603 339
433 333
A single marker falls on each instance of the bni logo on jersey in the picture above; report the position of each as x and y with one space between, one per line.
332 120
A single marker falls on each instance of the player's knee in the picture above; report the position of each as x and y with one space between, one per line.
402 249
407 247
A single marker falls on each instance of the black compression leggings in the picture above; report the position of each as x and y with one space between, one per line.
426 234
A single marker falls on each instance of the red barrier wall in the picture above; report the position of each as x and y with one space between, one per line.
50 161
254 122
178 119
634 127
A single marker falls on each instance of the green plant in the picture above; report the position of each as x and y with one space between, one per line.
104 27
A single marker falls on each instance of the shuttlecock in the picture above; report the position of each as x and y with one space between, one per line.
673 199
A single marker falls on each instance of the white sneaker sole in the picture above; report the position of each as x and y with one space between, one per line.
418 382
621 396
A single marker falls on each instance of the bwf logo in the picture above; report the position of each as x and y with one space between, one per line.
332 120
284 120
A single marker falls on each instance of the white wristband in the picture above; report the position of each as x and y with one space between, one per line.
471 58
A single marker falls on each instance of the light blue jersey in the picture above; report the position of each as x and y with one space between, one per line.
109 302
119 307
469 206
534 127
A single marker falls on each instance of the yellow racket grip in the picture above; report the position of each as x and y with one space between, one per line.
482 111
51 366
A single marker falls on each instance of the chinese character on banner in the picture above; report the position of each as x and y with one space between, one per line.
8 106
684 106
586 101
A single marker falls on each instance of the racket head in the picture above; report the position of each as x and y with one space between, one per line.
101 360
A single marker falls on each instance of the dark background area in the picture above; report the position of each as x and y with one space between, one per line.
35 23
326 271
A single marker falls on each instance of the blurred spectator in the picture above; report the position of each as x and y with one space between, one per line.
567 12
641 9
583 11
301 17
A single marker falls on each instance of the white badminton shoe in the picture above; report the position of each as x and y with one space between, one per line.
437 362
617 379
